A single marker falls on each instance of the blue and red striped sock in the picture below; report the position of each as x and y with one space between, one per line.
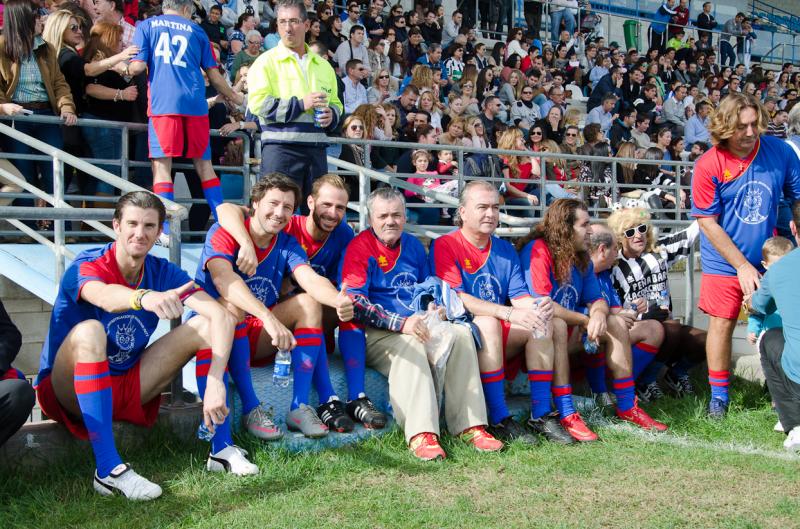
643 354
239 369
165 190
304 359
352 346
222 432
562 395
719 381
540 382
92 382
624 391
595 368
213 193
494 391
322 376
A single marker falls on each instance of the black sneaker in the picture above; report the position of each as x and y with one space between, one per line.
649 392
365 412
549 427
717 409
333 415
510 430
678 385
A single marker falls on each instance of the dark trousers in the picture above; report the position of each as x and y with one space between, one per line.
727 55
533 18
785 391
301 163
16 402
657 40
49 134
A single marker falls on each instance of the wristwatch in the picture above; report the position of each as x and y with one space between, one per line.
241 125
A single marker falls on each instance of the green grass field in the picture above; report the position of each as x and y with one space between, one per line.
701 474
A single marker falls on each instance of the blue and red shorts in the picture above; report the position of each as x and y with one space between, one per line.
179 137
254 328
127 397
720 296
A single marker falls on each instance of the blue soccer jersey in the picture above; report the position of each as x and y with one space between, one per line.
128 332
175 50
539 271
607 289
491 273
743 194
386 276
282 257
324 256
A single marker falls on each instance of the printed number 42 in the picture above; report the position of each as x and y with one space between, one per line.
163 49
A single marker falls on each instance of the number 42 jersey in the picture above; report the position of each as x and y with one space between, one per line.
175 50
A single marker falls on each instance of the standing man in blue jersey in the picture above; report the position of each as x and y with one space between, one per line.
96 364
174 50
294 93
736 188
485 272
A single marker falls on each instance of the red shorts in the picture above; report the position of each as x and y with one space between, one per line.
127 397
720 296
179 136
254 328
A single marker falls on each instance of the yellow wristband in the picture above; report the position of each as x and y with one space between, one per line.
136 298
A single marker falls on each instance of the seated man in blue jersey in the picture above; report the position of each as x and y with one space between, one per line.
324 235
96 365
555 260
485 272
381 267
264 320
645 336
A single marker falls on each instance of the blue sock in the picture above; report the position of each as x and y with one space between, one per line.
213 193
562 395
624 391
494 392
353 347
595 368
540 382
222 432
92 382
165 190
643 354
304 358
322 376
239 369
650 373
681 367
719 381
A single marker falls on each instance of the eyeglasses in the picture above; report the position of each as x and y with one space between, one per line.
536 133
74 28
289 22
254 42
356 127
630 233
383 77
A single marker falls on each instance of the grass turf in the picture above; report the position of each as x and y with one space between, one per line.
732 473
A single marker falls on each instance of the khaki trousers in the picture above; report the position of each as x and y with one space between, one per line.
402 359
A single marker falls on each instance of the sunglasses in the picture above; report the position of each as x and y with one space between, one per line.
468 85
254 42
572 135
383 77
74 28
527 93
536 133
630 233
356 127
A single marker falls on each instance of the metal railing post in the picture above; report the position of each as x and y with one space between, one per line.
246 184
125 155
58 224
176 387
460 168
688 311
363 193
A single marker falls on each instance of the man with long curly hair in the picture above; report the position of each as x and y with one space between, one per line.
736 188
556 263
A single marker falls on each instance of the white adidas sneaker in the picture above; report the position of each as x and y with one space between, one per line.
792 441
231 459
125 481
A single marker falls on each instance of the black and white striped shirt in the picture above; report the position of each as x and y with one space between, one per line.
646 276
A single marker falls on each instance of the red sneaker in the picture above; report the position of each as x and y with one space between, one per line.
426 447
482 440
640 418
577 428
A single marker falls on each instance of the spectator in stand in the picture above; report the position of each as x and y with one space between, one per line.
214 28
696 130
381 89
398 60
432 57
521 167
406 105
777 126
705 20
332 36
32 80
431 30
313 33
562 11
373 22
524 112
732 28
680 20
353 48
599 70
248 54
511 90
602 114
355 94
452 28
414 47
639 133
424 134
353 129
632 87
455 132
514 43
675 111
430 104
113 11
553 125
485 86
555 99
476 136
244 24
611 83
353 18
622 127
657 34
454 66
492 107
378 56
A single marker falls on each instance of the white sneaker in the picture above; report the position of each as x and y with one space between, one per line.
792 441
778 427
231 459
128 483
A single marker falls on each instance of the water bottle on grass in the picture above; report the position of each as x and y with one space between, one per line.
281 375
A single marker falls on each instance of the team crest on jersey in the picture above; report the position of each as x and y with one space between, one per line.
752 202
468 265
567 296
262 287
488 287
382 261
126 331
404 282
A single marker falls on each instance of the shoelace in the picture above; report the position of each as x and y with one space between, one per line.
364 408
313 418
428 439
262 416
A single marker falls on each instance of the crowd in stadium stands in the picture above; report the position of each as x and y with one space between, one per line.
299 73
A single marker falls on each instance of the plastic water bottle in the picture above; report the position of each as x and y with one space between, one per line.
537 333
281 375
318 113
663 299
203 433
590 346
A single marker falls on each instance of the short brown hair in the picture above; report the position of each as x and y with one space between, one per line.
140 199
332 180
776 247
273 180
